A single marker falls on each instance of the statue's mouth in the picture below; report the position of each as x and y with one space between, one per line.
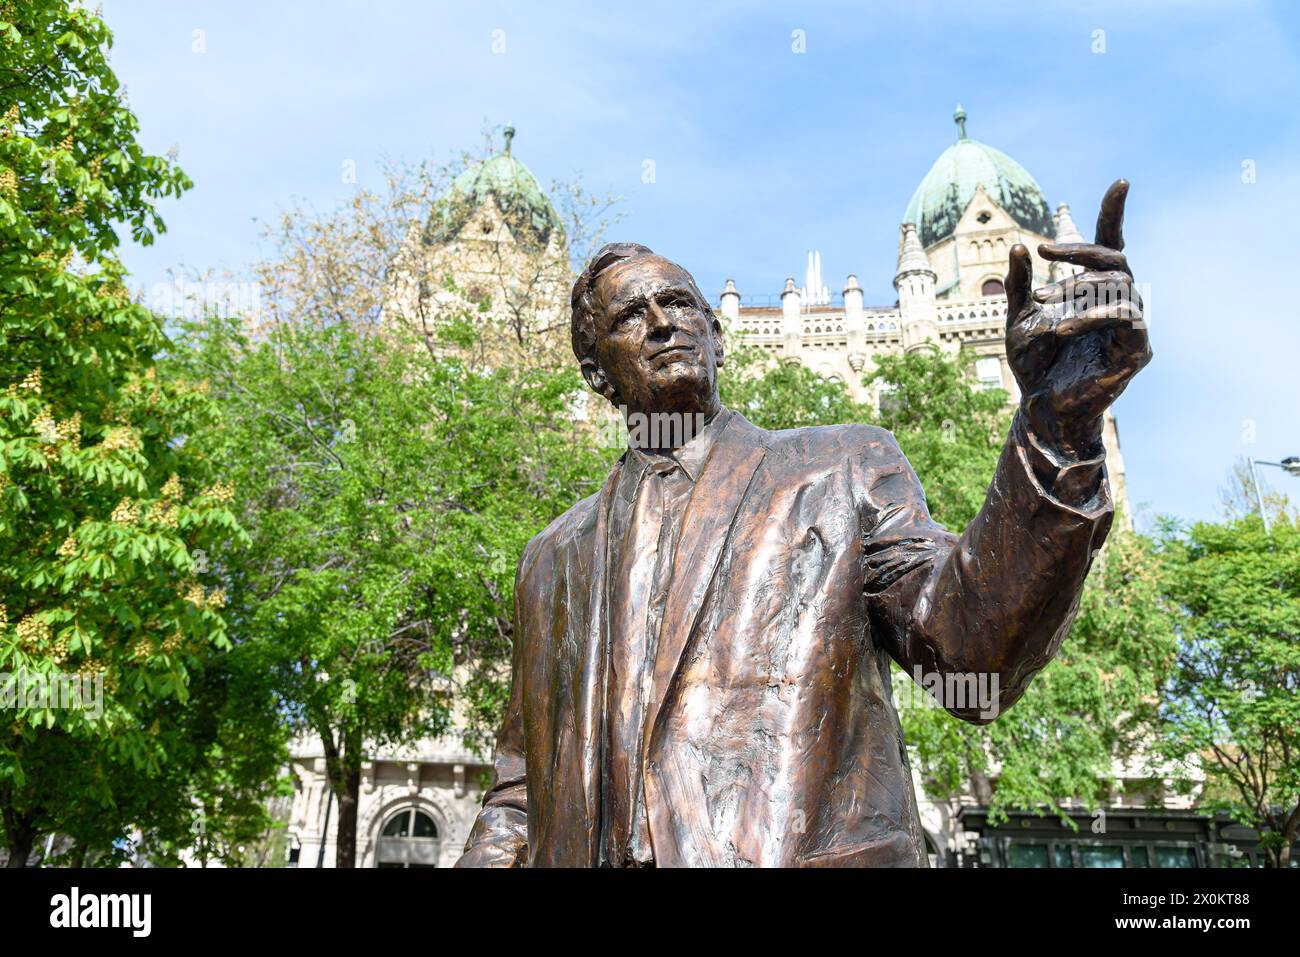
673 354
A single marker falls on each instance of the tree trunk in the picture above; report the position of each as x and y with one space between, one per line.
981 787
20 840
1290 831
20 836
1280 855
345 847
18 853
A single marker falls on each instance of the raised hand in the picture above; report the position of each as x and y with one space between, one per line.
1073 346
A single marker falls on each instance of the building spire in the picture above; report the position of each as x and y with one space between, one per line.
960 119
510 135
1066 231
911 254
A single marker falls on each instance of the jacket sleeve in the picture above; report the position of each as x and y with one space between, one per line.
499 837
994 604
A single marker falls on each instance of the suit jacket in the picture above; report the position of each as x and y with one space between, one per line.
807 560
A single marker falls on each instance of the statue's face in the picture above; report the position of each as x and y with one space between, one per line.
654 344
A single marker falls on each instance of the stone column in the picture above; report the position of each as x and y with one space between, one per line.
730 302
791 322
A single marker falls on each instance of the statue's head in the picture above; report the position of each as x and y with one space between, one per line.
645 337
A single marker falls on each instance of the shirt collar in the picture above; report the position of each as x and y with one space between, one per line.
692 455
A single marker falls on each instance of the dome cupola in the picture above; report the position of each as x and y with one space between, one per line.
507 182
946 191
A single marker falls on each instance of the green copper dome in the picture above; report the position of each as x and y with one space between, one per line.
948 188
512 186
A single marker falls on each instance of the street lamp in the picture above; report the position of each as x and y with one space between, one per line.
1290 465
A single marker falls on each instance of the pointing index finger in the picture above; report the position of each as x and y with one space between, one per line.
1110 220
1019 283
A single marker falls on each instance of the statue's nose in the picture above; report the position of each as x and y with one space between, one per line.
659 322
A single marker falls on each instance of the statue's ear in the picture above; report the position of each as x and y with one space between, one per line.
595 376
719 347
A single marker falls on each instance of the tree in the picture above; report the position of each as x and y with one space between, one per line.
111 521
390 491
1232 707
1091 706
784 395
951 432
1239 496
400 440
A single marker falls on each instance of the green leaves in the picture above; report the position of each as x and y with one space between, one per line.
951 432
1232 707
784 396
103 507
389 494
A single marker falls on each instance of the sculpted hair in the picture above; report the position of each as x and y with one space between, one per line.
582 327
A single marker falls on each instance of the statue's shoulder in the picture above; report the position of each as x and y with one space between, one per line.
577 522
854 440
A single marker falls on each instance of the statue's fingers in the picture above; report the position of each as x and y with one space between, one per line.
1088 255
1124 313
1051 293
1110 219
1092 287
1019 282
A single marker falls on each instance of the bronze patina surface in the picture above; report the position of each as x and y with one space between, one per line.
702 649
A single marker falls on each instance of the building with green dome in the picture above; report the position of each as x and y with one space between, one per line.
954 240
946 191
503 181
970 208
493 246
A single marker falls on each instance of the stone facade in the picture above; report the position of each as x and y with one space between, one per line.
439 778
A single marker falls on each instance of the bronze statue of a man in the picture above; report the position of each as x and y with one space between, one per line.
702 649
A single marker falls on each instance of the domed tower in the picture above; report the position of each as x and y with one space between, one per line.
493 247
973 205
500 192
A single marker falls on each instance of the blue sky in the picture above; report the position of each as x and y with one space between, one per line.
762 154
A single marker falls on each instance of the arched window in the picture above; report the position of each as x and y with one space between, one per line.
409 839
993 287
